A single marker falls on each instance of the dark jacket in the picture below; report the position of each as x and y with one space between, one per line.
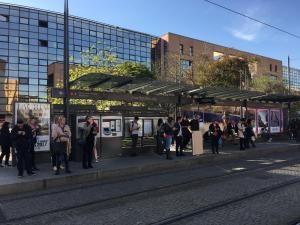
194 124
168 129
5 140
21 141
215 132
177 129
249 132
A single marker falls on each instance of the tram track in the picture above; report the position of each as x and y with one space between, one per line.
198 211
172 219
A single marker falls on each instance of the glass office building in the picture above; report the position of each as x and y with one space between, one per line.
31 39
294 76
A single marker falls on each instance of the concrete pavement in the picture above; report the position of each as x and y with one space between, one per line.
118 168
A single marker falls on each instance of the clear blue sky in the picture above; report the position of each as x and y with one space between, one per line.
198 19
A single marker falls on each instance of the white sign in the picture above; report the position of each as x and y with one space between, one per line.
41 113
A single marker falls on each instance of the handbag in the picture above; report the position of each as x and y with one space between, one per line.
59 147
253 138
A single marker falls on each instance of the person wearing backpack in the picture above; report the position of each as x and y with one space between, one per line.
134 131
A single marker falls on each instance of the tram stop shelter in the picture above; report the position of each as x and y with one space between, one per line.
167 97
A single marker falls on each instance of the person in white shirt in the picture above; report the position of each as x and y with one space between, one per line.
241 133
134 130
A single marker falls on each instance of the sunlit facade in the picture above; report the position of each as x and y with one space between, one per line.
31 39
294 78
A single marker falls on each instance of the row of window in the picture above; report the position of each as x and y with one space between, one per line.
74 26
271 68
181 50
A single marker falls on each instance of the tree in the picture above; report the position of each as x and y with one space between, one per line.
268 85
226 72
133 69
99 61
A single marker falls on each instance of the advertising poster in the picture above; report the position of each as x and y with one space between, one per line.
111 126
263 119
148 132
41 113
275 121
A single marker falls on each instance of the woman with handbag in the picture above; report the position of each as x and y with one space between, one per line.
61 135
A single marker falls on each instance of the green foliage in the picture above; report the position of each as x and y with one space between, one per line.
267 85
133 69
99 61
227 72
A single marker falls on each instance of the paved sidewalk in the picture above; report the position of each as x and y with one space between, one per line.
127 166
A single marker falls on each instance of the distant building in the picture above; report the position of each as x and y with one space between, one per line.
294 78
31 51
173 49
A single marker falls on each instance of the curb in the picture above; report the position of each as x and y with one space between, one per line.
100 174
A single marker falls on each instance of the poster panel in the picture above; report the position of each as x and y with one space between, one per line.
148 132
262 119
41 113
275 121
111 126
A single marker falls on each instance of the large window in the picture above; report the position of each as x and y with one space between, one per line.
181 49
4 18
191 51
43 43
43 23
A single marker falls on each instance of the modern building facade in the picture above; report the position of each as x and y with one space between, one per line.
31 49
174 49
294 78
32 39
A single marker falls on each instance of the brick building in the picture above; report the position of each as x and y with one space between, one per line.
173 50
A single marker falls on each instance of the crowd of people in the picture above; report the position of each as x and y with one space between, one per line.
22 138
180 133
20 142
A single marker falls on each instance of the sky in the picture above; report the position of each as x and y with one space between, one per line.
198 19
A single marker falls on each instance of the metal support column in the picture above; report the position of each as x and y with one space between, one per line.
66 61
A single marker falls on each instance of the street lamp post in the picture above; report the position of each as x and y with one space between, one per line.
66 60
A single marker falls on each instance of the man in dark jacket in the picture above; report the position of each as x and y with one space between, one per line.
21 139
35 132
215 135
178 136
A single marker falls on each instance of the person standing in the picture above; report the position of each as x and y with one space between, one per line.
61 135
5 143
89 133
168 135
95 150
34 132
21 139
134 130
250 136
215 135
186 134
159 136
53 156
195 123
241 133
178 136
